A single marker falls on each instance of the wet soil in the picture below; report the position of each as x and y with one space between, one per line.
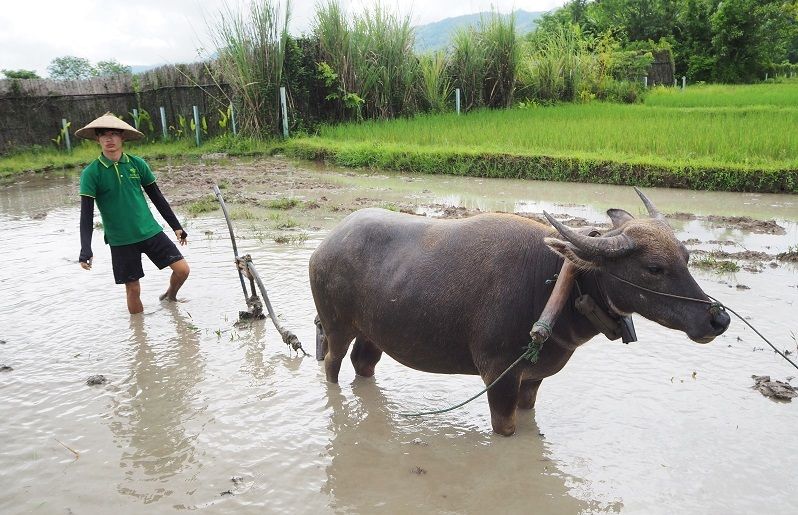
244 424
257 183
743 223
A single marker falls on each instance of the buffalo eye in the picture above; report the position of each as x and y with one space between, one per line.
655 269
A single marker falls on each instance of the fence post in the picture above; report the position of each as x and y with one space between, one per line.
197 124
233 119
135 118
163 122
766 76
285 111
457 100
66 135
675 83
645 82
684 82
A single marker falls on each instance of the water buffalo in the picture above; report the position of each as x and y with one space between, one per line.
460 296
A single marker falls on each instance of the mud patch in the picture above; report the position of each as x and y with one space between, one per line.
243 182
791 256
778 390
743 223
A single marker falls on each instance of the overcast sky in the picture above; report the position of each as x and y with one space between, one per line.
152 32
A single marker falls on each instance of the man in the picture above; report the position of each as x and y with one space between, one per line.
115 180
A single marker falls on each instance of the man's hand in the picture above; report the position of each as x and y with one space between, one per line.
86 265
181 236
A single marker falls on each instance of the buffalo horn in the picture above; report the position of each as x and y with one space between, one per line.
614 246
652 211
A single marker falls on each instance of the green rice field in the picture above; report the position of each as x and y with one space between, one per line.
735 138
752 137
707 137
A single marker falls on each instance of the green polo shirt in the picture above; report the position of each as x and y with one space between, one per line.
116 187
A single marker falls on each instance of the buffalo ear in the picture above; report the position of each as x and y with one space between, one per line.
619 217
570 252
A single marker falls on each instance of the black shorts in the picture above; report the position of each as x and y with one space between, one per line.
126 259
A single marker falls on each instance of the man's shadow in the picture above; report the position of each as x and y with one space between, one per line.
382 462
150 423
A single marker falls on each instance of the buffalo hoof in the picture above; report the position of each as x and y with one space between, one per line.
505 430
504 426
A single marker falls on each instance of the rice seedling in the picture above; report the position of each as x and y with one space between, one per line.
725 96
754 139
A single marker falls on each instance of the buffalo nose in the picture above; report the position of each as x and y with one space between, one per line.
720 321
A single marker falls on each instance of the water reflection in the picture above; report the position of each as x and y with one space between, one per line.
384 463
151 422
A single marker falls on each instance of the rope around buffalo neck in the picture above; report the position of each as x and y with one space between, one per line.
714 304
532 351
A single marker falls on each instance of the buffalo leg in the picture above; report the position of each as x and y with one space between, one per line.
503 399
337 345
364 356
528 393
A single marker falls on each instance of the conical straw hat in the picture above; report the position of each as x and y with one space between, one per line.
108 121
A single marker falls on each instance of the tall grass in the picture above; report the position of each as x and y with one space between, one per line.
467 66
484 62
371 59
333 32
558 64
251 48
502 56
435 85
758 138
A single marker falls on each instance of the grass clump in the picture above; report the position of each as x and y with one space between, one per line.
709 262
283 203
291 239
242 214
281 222
205 204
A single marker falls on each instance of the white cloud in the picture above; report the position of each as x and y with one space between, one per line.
151 32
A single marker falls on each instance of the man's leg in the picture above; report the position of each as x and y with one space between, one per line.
133 290
180 271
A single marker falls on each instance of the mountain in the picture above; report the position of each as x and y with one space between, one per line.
437 35
143 68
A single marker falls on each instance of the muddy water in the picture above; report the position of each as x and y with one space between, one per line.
199 414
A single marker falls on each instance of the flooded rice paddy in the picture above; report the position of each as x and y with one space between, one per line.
199 414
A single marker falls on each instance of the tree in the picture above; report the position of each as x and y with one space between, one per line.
749 36
695 57
70 68
111 67
20 74
639 20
